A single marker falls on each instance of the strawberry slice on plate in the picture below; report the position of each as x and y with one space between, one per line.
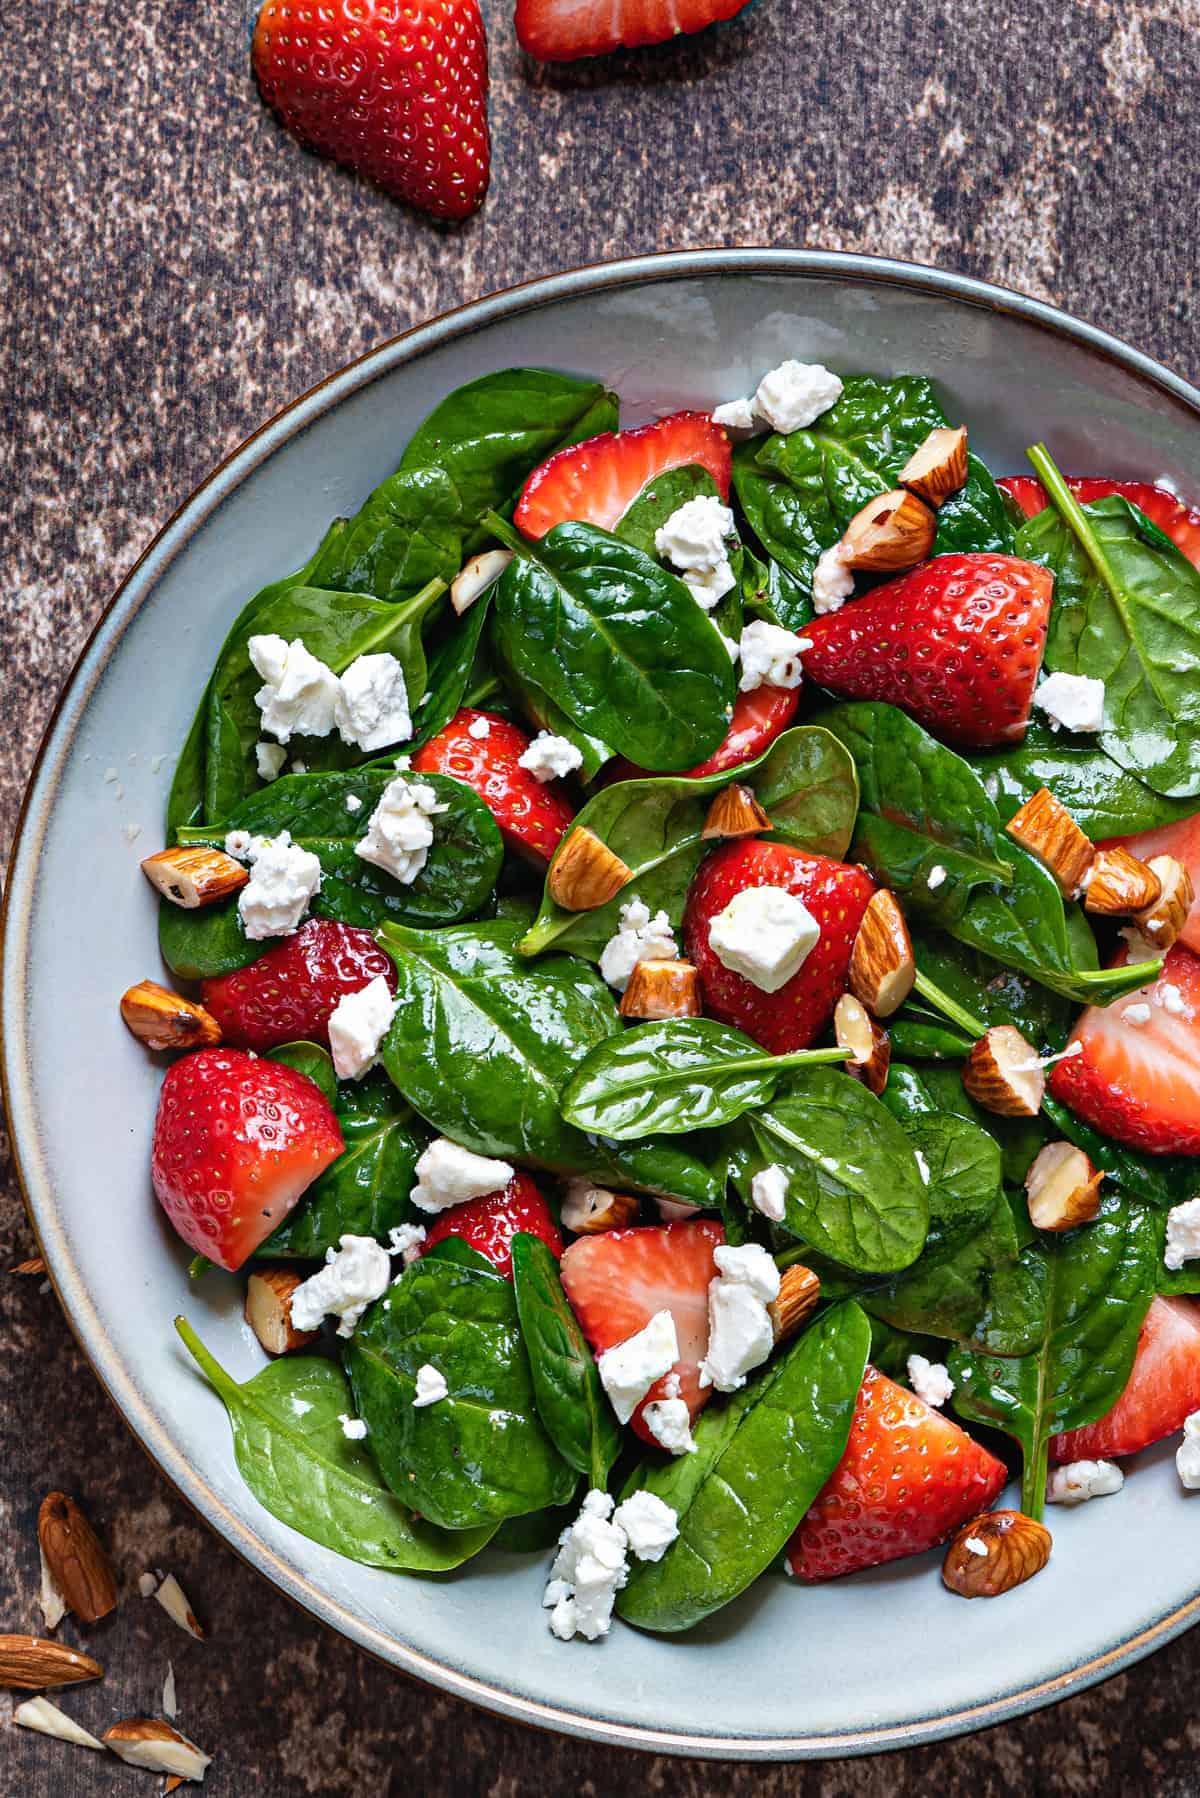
618 1280
237 1140
1163 1389
289 994
908 1479
758 718
563 30
489 1224
1182 841
597 481
532 814
1137 1076
956 643
1173 516
835 893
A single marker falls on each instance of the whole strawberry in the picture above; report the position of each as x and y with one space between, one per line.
396 89
290 993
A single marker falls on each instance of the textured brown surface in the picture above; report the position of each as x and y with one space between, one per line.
173 271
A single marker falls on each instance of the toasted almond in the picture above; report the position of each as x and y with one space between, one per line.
34 1266
799 1290
476 576
194 875
882 968
1120 886
1063 1188
171 1596
585 872
1002 1073
165 1020
268 1309
735 812
662 989
867 1041
172 1783
48 1720
938 467
153 1743
589 1210
891 532
1162 922
994 1553
78 1564
32 1662
1046 828
50 1599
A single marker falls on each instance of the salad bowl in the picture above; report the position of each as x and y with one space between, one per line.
669 332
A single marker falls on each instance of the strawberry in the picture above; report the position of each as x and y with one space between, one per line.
563 30
236 1142
596 482
835 893
908 1479
288 994
1162 1390
758 718
1173 516
398 93
1137 1078
532 814
616 1281
956 643
489 1224
1181 840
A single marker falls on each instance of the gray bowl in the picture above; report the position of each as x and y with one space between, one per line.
875 1661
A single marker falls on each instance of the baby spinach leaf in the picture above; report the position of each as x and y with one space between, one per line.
200 944
761 1458
911 1092
993 993
407 533
768 588
917 1035
311 1060
479 1454
1104 799
541 710
292 1453
655 504
570 1399
451 663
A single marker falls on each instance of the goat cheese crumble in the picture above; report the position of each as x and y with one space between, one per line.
1183 1234
668 1422
794 395
400 831
1081 1480
405 1240
768 1192
629 1369
765 934
741 1333
736 415
1071 702
1187 1455
770 656
649 1523
592 1563
639 937
431 1387
693 540
357 1025
353 1428
832 582
480 728
283 879
930 1380
549 757
448 1174
299 694
354 1275
269 759
372 703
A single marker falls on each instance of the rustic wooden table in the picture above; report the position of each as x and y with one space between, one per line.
174 270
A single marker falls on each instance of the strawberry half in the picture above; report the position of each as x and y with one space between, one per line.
618 1280
532 814
837 896
563 30
1163 1389
237 1141
489 1224
400 94
1181 840
1137 1078
1173 516
956 644
758 718
596 482
908 1479
288 994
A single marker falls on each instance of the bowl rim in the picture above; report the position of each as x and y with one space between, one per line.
15 920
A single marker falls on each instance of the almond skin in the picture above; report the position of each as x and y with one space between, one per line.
1016 1548
890 533
735 812
152 1743
78 1564
1162 922
938 467
662 989
1121 886
882 966
165 1020
1062 1187
1047 829
799 1290
1002 1073
31 1663
585 872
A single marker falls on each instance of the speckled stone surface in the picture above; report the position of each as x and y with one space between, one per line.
174 269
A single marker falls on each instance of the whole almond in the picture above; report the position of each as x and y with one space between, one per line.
32 1663
994 1553
78 1564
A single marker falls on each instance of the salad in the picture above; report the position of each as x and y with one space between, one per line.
686 1003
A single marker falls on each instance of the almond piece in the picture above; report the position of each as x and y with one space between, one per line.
173 1599
268 1310
1063 1188
1047 829
34 1266
735 812
662 989
585 873
994 1553
590 1210
32 1662
165 1020
78 1565
882 968
868 1043
938 467
150 1742
48 1720
799 1290
1003 1074
1120 886
476 576
1162 922
891 532
195 875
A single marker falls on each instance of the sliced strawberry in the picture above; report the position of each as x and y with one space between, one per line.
1163 1389
956 644
1181 840
908 1479
758 718
618 1280
237 1140
1173 516
488 1225
835 893
289 993
597 481
1137 1078
563 30
532 814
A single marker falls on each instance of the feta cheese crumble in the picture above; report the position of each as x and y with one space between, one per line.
354 1275
237 844
299 694
1081 1480
1187 1455
693 540
431 1387
741 1334
550 758
765 934
1183 1234
1071 702
1171 999
399 830
353 802
449 1175
768 1192
736 415
770 656
588 1571
480 728
668 1422
640 937
794 395
930 1380
283 878
832 582
1137 1015
405 1240
936 877
353 1428
372 703
649 1523
357 1025
269 759
629 1369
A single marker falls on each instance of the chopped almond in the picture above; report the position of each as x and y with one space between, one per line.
662 989
165 1020
891 532
1120 886
1003 1073
590 1210
476 576
735 812
31 1268
585 873
194 876
938 467
795 1302
152 1743
882 968
994 1553
75 1559
867 1041
1047 829
173 1599
269 1310
48 1720
1063 1188
1163 920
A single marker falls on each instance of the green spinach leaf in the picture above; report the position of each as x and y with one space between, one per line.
570 1399
311 1060
1104 799
197 945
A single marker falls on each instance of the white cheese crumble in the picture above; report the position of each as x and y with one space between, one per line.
1081 1480
668 1422
1187 1455
975 1545
1136 1015
736 415
741 1334
765 934
768 1192
936 877
480 728
1071 701
1171 999
794 395
770 656
649 1523
237 844
353 802
550 758
372 703
930 1380
353 1428
693 540
353 1277
431 1387
1183 1234
283 878
405 1240
588 1571
640 937
269 759
358 1024
299 694
629 1369
832 582
400 831
448 1174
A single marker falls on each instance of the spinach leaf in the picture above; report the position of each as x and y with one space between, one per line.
913 1092
991 992
292 1453
311 1060
542 711
652 508
768 588
479 1454
917 1035
197 945
570 1399
1104 799
1162 1180
761 1458
451 663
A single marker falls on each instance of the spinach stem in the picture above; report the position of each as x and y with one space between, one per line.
949 1007
198 1265
1073 515
506 532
